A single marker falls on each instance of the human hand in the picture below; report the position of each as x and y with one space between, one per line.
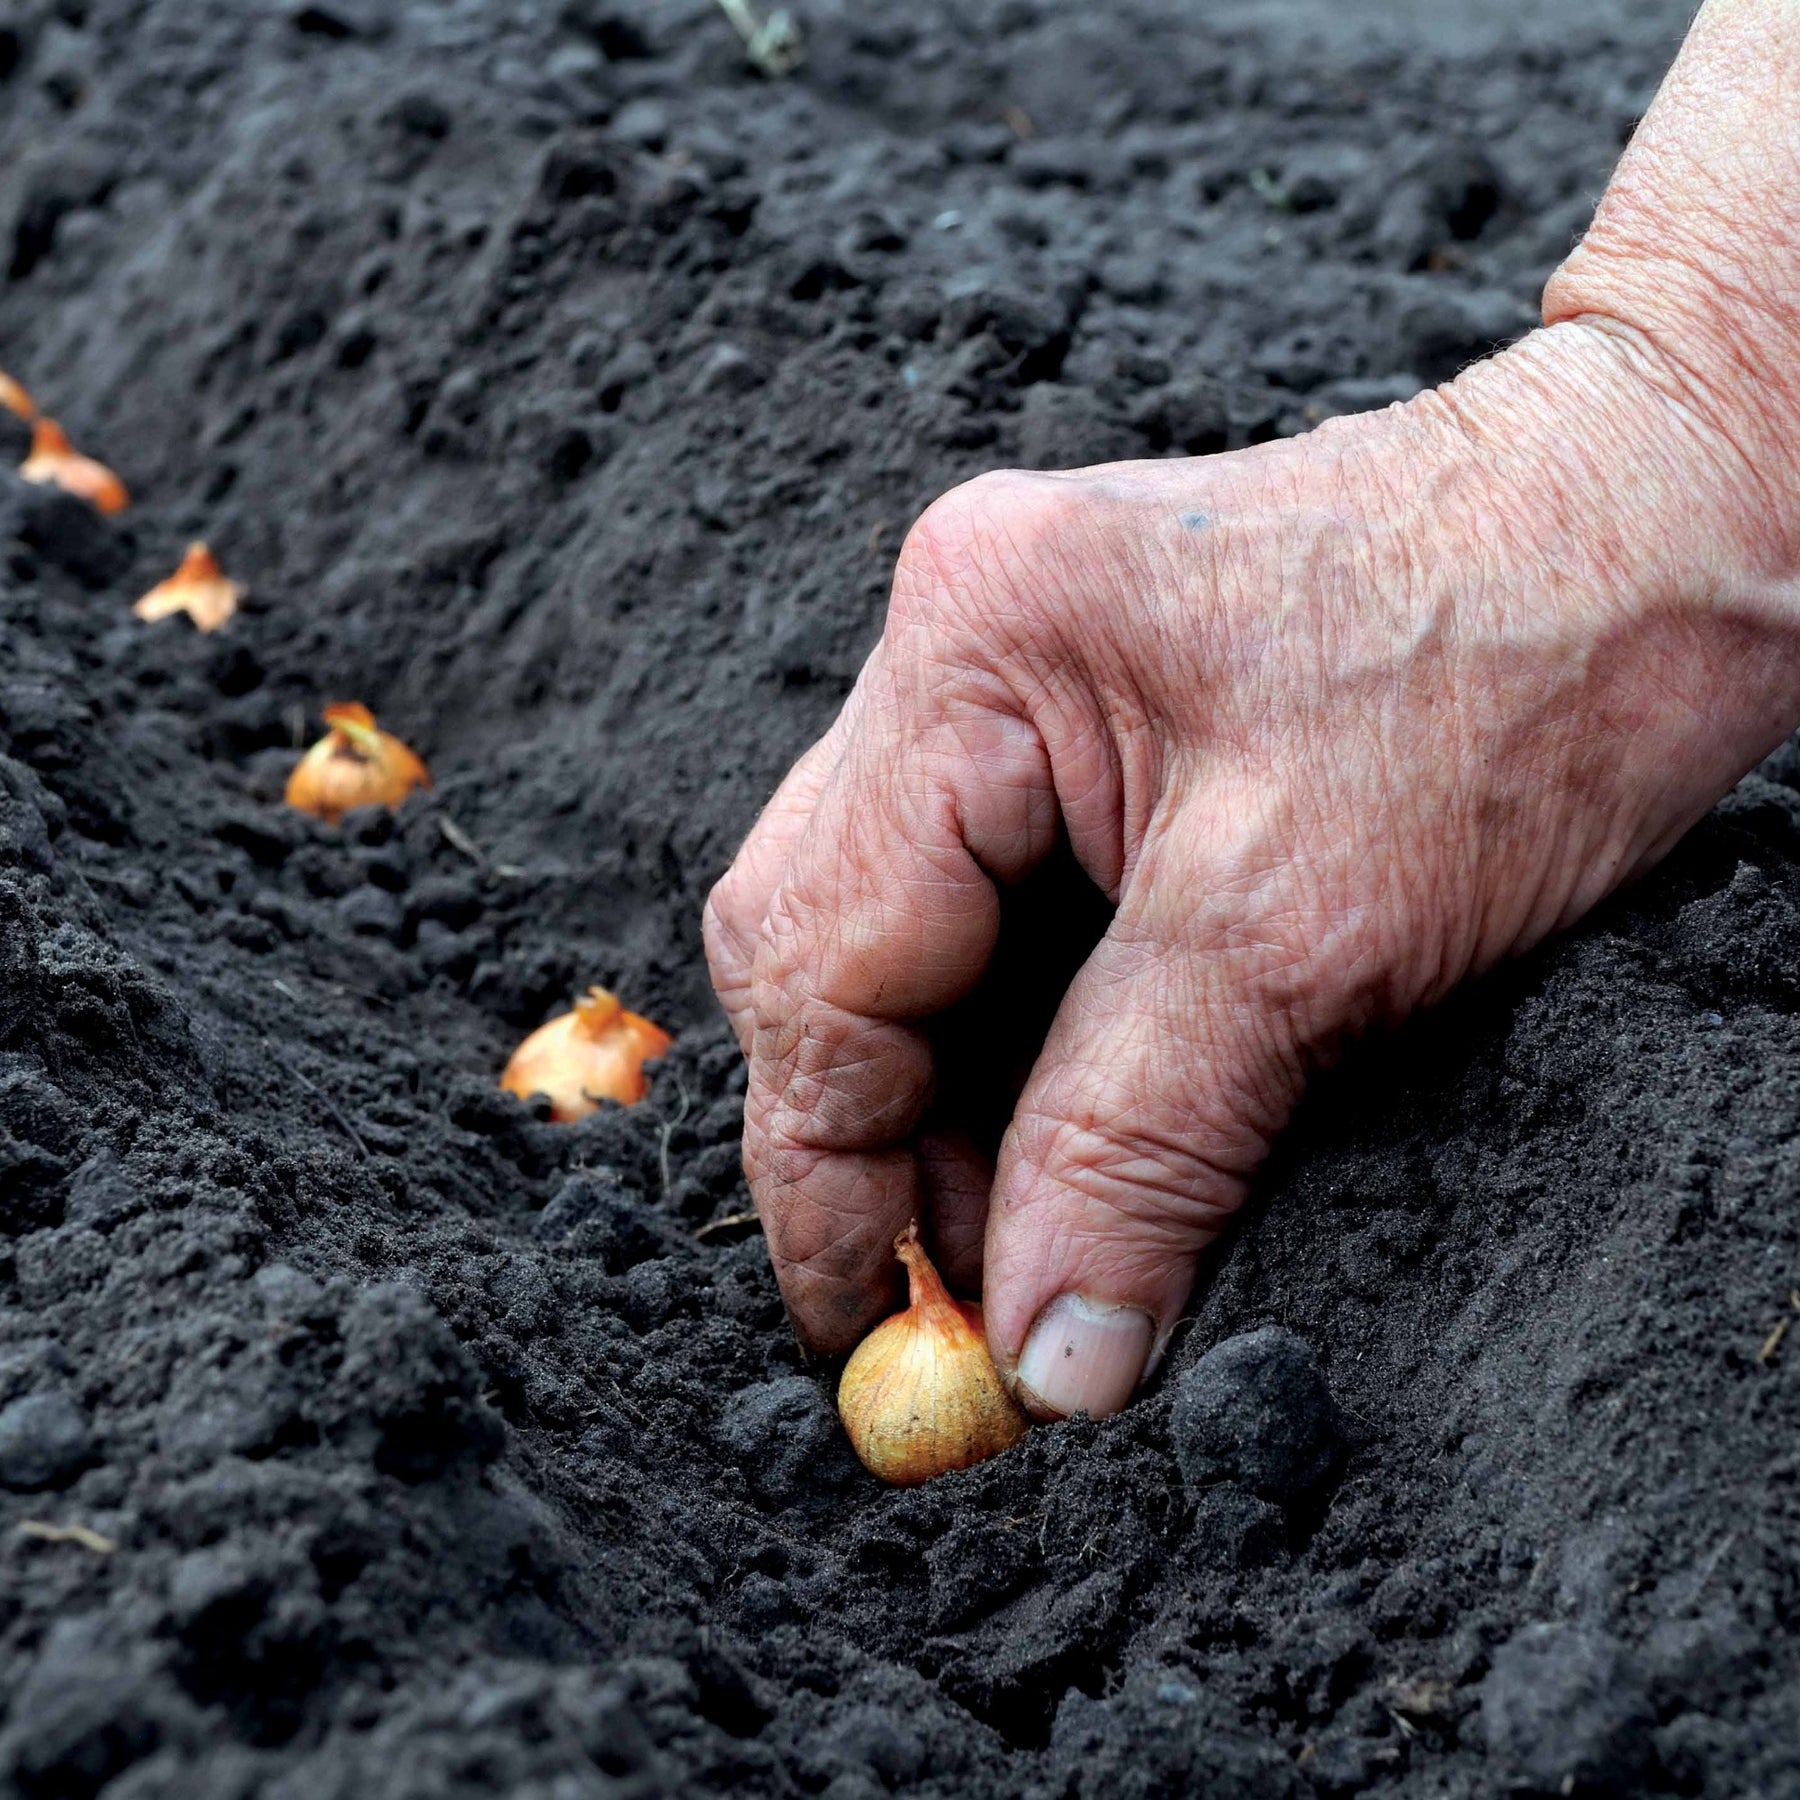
1334 723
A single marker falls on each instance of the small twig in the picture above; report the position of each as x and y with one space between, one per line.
1772 1342
368 994
730 1222
84 1535
668 1131
1710 1567
593 1412
773 44
458 839
323 1098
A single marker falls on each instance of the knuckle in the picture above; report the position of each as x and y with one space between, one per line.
717 928
776 1171
1132 1179
726 928
983 542
851 1085
783 958
1003 513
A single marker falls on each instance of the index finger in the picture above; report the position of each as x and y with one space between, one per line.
739 903
886 914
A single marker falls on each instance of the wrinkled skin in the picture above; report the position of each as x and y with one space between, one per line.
1334 723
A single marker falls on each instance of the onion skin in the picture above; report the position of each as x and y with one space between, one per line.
353 764
198 588
597 1052
53 463
15 399
920 1394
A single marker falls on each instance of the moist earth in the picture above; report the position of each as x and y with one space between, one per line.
563 388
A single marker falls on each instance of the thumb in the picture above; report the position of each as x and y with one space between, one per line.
1156 1095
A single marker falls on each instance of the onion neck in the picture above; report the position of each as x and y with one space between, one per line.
926 1292
599 1011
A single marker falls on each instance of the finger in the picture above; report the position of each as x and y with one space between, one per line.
887 914
1157 1093
984 1048
955 1178
739 902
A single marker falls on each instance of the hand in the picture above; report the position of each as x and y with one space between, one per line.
1334 723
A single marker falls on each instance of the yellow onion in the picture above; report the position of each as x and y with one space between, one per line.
55 464
354 764
920 1394
15 399
597 1052
198 588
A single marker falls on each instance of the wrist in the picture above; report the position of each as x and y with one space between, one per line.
1690 272
1636 566
1625 474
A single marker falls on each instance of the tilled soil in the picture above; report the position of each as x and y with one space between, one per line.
563 389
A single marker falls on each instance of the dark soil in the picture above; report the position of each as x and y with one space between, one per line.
563 389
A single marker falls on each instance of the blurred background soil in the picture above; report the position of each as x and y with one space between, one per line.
563 389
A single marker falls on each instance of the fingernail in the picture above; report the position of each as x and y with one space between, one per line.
1085 1356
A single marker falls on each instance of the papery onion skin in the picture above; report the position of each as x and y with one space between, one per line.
199 588
920 1395
354 764
53 463
597 1052
15 399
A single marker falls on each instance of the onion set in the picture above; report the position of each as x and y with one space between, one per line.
597 1052
354 764
920 1394
198 588
54 463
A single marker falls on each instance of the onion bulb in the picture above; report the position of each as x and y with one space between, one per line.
354 764
920 1394
53 463
15 399
597 1052
198 588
